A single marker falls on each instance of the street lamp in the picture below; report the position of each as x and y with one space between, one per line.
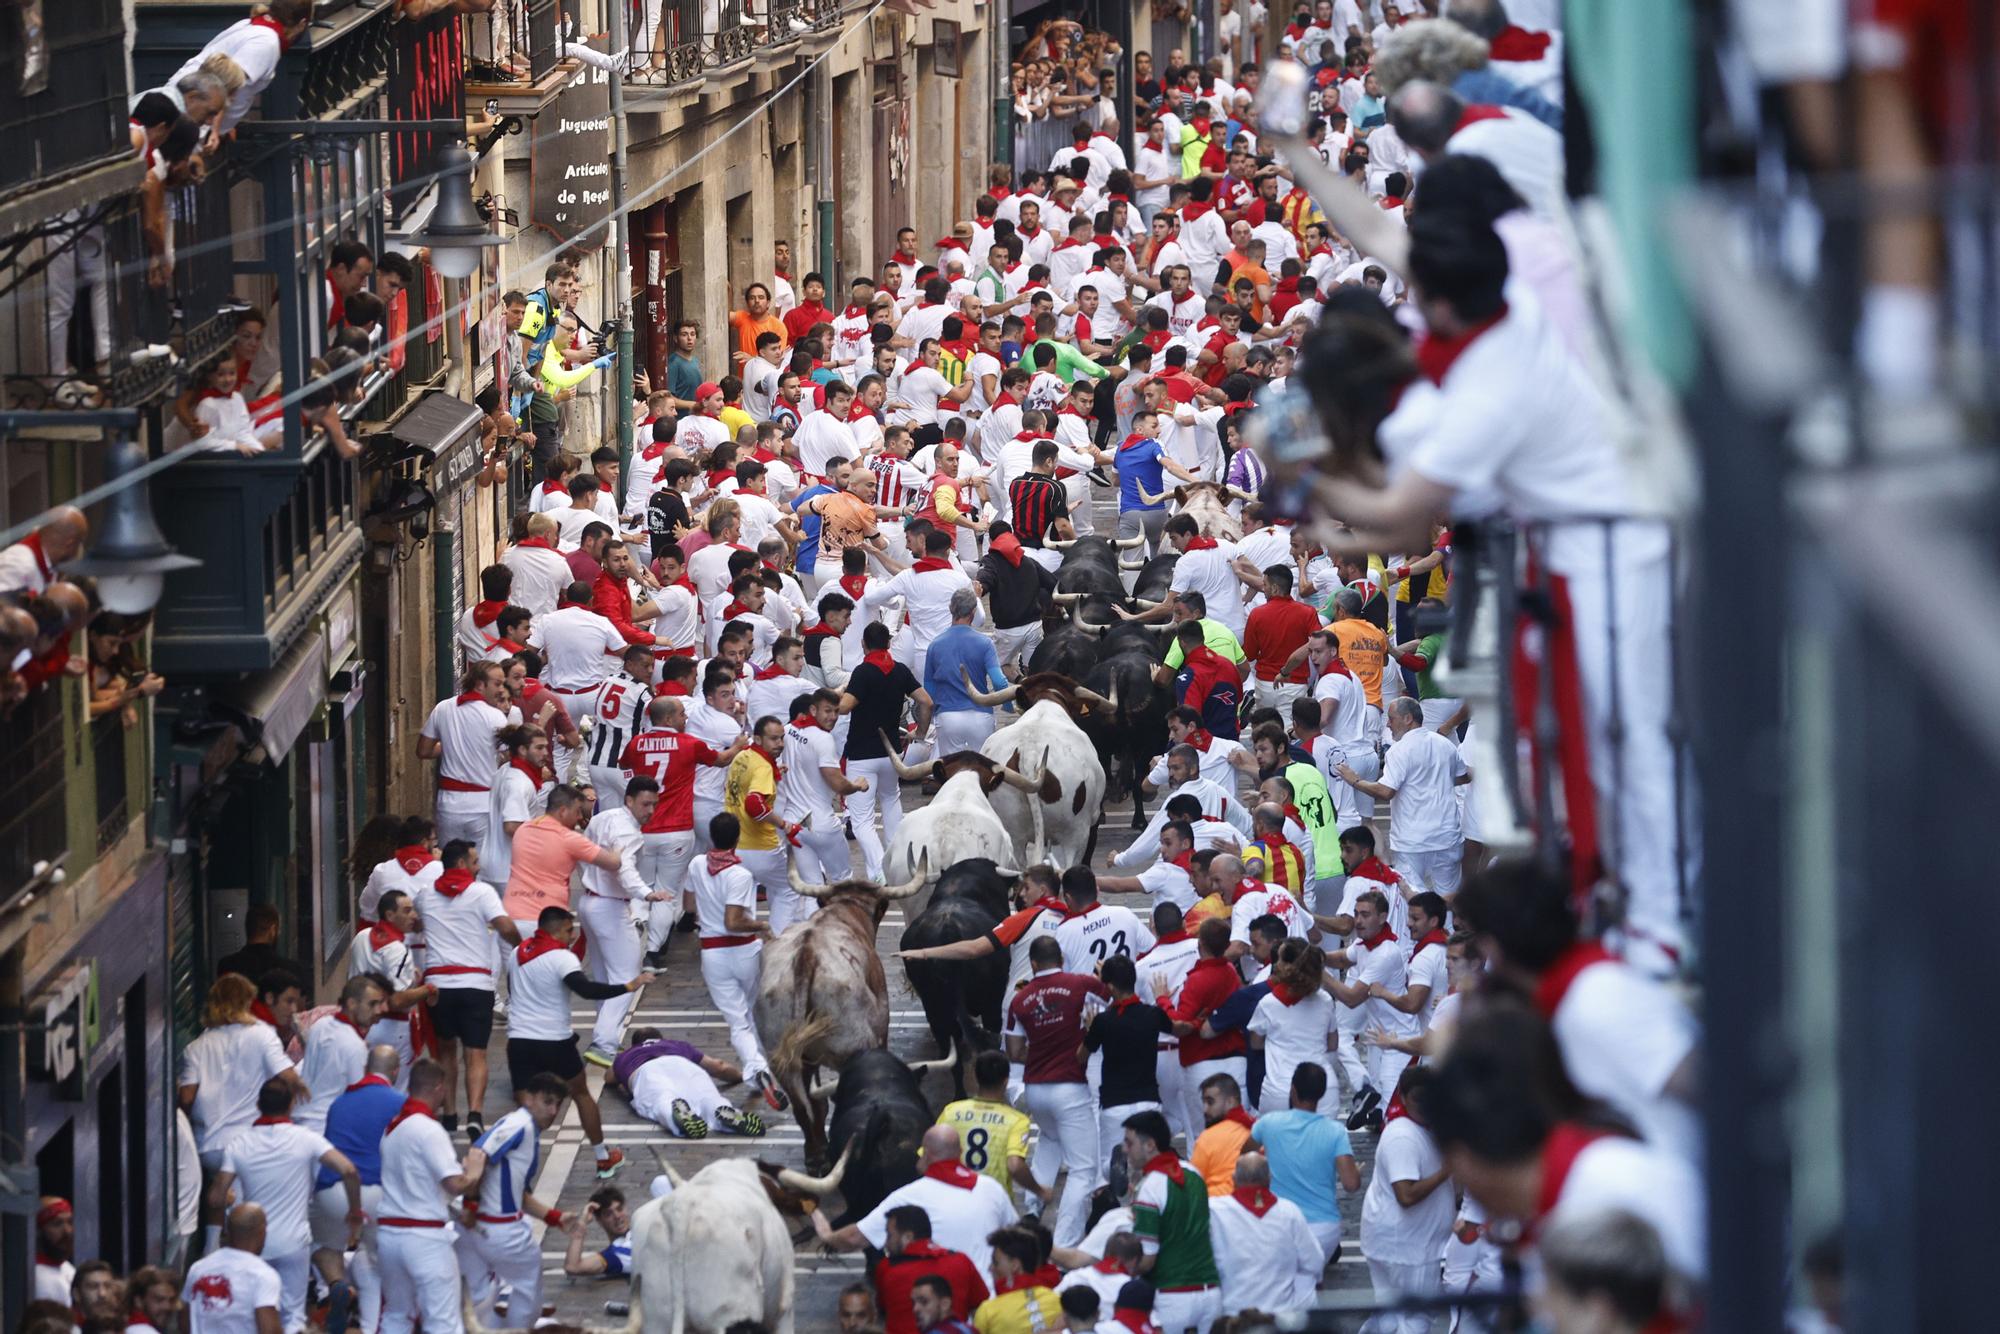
454 233
130 557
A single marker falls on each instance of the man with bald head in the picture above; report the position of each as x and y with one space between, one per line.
965 1206
1264 1248
29 566
1431 120
231 1290
541 573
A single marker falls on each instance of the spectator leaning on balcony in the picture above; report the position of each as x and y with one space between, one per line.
29 566
255 44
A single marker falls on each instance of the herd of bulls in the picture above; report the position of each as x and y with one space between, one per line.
1088 714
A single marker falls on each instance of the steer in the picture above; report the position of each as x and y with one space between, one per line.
1208 503
1048 727
961 999
717 1249
879 1118
959 821
822 996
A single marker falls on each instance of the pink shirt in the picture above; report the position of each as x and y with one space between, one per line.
544 855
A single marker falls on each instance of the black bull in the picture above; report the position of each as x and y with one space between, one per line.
880 1109
961 998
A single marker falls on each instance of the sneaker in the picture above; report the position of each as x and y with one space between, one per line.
499 1012
475 1126
1365 1102
657 960
598 1056
450 1123
774 1097
607 1166
685 1121
740 1121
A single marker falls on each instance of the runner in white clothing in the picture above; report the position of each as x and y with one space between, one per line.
231 1290
337 1049
498 1251
725 904
383 953
812 790
459 735
421 1179
461 915
615 908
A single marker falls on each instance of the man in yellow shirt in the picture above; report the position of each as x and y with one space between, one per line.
750 793
1024 1284
994 1131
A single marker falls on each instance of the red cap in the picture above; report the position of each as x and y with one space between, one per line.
705 388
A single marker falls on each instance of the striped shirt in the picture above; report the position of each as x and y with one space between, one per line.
621 703
1037 502
1284 866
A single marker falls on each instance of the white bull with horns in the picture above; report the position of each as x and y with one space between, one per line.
1066 805
959 822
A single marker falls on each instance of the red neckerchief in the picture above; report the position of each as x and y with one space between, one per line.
717 476
1559 976
452 883
1240 1116
1286 996
1374 941
342 1017
1030 232
365 1081
534 542
1120 1006
859 413
534 774
1175 937
1560 1151
1513 43
771 673
1065 245
881 659
274 1120
511 647
1008 548
411 1107
414 859
1201 544
535 946
1257 1199
266 21
1108 1267
33 542
1135 1320
1186 862
485 613
929 563
1045 1277
1050 903
1167 1165
953 1173
1375 868
1396 1110
1246 886
1133 442
1435 355
379 935
853 312
999 191
1431 937
552 487
471 697
1005 399
950 243
1200 738
819 629
776 772
262 1013
1192 210
805 722
900 259
735 609
719 861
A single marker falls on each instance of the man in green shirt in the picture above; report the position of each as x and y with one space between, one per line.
1170 1218
1442 712
1068 363
1215 636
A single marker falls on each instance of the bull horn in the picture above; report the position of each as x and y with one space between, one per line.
907 772
1016 779
1139 564
1090 697
1078 623
819 1091
1145 604
1067 599
825 1185
922 1068
913 884
1038 845
1127 543
1240 493
1148 497
470 1314
1057 544
983 697
811 891
667 1168
1112 702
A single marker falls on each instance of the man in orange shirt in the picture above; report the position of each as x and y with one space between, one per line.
755 318
546 850
1364 648
1217 1148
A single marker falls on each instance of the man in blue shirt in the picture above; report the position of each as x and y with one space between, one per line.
1266 934
962 721
355 1122
1140 463
1307 1153
808 554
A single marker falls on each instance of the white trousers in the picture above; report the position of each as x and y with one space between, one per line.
419 1279
1066 1114
497 1258
1279 697
885 793
822 856
1385 1068
292 1267
665 1079
1393 1281
961 729
1017 644
614 956
80 265
1168 1073
731 974
705 809
1351 806
1350 1024
1436 870
394 1032
1327 1235
461 815
1236 1067
1181 1311
785 905
608 781
663 864
1111 1135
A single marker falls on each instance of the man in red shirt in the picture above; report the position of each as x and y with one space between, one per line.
800 319
1211 981
908 1254
670 757
611 594
1045 1024
1272 633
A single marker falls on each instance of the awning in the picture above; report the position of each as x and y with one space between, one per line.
434 424
279 703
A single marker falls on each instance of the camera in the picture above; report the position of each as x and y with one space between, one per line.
607 335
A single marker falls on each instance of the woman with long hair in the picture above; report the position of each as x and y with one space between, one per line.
223 1068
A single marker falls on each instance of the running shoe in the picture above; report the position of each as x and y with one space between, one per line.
607 1166
685 1121
743 1121
774 1097
475 1126
1365 1102
598 1056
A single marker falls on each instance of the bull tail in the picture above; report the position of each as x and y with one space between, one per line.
788 1058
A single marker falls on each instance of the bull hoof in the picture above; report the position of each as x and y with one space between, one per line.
1138 821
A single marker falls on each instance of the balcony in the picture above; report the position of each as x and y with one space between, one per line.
514 64
66 144
34 825
698 38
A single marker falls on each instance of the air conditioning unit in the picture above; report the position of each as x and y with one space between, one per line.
226 910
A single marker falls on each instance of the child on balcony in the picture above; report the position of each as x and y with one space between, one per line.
226 420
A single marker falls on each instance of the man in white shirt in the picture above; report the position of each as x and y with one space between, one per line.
461 913
1407 1213
540 572
1375 960
255 44
615 906
1204 238
460 734
421 1179
385 952
725 905
1166 881
1434 121
924 396
231 1290
1217 803
811 790
580 647
497 1248
926 588
965 1207
1419 776
824 436
1094 931
717 719
273 1164
337 1049
1265 1250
